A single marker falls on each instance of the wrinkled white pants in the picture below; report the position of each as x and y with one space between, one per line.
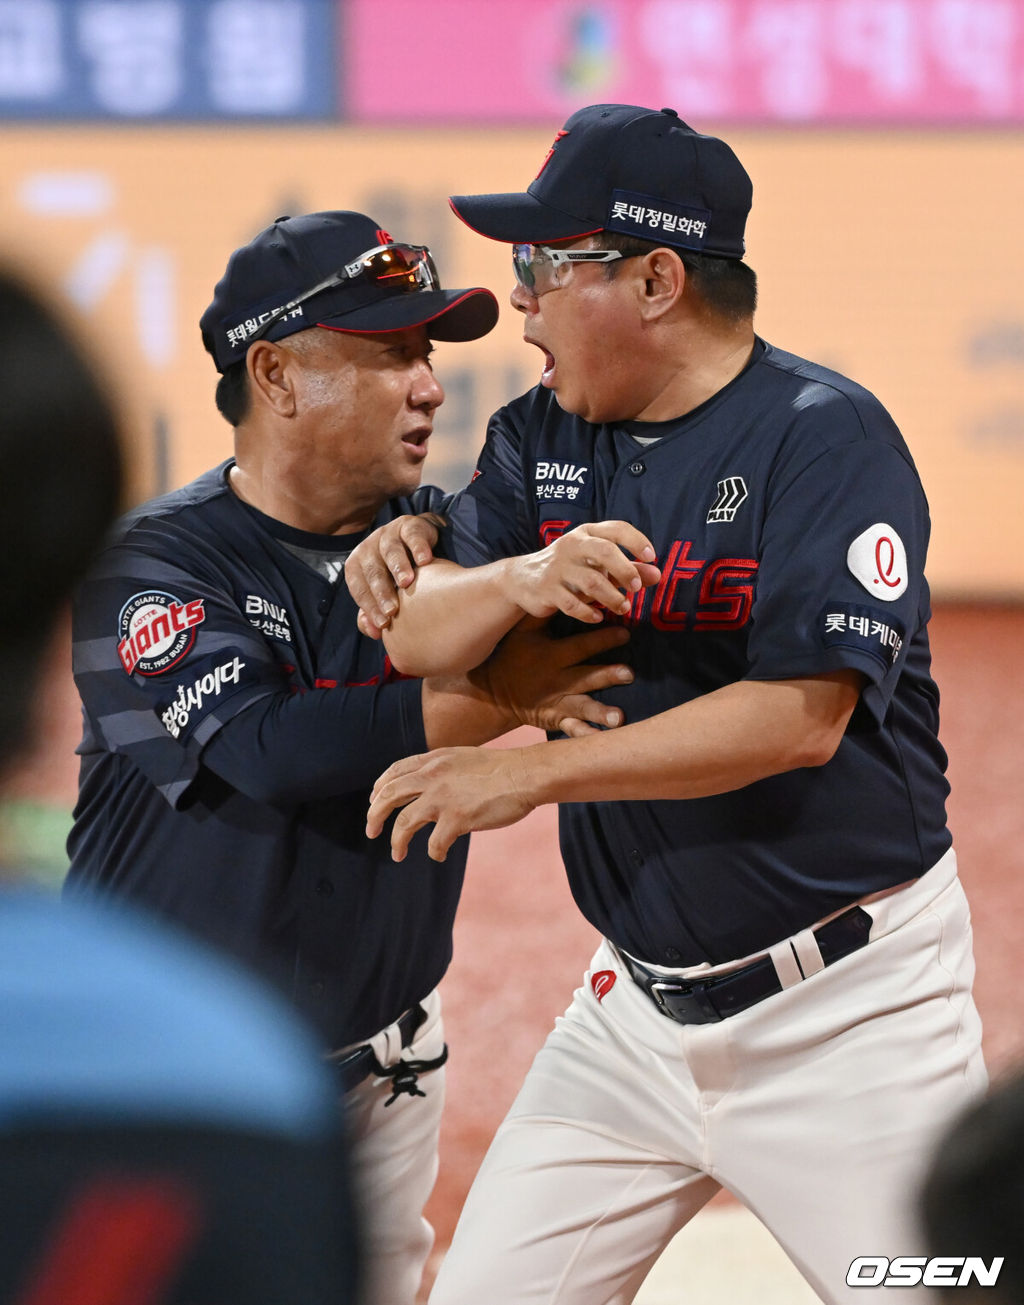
816 1107
394 1157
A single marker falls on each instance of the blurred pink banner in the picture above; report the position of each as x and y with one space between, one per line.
794 61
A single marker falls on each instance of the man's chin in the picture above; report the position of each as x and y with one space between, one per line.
578 408
408 483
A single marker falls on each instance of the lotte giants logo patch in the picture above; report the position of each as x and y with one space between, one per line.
602 983
156 630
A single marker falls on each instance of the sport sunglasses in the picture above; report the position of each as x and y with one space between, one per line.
538 267
399 269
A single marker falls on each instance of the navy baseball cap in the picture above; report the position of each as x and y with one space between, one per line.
339 270
635 171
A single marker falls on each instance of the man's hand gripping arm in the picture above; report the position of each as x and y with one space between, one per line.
448 619
734 736
529 679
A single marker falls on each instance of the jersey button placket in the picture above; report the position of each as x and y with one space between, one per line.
637 468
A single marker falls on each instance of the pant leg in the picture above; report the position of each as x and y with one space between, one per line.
817 1108
395 1160
593 1171
844 1082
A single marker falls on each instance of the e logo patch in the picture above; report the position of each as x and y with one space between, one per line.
878 560
602 983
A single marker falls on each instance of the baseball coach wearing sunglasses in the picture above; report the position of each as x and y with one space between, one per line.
235 717
781 1004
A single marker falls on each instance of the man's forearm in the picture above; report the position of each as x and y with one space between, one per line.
457 712
450 619
734 736
723 741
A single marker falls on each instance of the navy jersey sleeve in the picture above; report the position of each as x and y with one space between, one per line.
165 661
428 498
493 517
162 659
301 748
841 579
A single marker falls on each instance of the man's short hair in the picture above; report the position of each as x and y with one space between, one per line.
727 285
233 397
234 389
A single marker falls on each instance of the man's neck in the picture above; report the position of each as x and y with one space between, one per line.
303 508
707 362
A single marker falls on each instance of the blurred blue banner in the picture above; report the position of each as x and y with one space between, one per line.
254 60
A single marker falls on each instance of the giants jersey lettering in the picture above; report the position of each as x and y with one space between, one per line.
723 599
791 531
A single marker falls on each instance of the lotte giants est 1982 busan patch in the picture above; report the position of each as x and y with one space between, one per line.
155 630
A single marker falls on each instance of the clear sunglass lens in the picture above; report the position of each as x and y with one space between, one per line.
537 268
522 262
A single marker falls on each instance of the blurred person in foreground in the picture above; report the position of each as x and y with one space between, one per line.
972 1200
168 1134
235 717
782 1002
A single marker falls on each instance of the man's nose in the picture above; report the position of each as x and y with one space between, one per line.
521 299
427 391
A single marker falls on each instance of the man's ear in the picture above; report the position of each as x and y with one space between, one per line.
270 376
663 278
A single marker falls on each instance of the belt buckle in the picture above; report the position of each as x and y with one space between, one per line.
354 1068
703 1012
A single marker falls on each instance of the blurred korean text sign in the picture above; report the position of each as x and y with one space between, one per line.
173 59
820 61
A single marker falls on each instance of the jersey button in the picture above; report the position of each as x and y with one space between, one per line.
324 888
317 987
637 468
323 606
672 954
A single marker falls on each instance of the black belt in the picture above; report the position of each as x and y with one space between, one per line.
705 1001
359 1064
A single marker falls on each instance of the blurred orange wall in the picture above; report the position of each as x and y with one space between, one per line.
894 256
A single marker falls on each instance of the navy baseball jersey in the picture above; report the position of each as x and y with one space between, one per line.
791 529
234 723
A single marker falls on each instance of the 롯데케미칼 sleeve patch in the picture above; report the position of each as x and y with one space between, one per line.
849 625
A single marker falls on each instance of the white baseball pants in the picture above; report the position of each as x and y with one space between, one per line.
817 1108
394 1160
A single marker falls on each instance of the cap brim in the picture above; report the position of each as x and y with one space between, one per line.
447 314
518 219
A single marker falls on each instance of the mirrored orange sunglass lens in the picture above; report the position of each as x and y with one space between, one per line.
403 265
